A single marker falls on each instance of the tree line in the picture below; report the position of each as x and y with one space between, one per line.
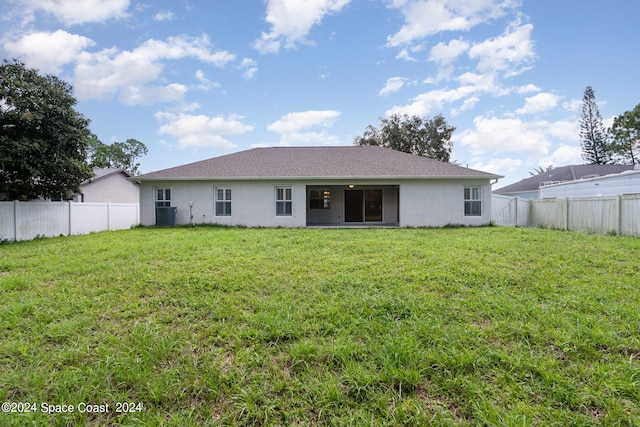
619 144
46 147
431 137
426 137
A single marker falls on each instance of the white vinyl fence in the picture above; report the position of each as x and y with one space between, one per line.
611 214
28 220
511 211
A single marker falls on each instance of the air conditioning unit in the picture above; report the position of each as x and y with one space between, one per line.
166 216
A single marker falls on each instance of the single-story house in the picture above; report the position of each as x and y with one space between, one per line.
624 183
319 186
109 185
529 188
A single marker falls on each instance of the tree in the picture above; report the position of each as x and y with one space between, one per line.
43 139
121 155
595 147
429 137
540 169
625 134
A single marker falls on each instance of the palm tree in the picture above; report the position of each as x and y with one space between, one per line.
540 169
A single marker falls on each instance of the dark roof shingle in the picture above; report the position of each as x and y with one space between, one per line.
316 162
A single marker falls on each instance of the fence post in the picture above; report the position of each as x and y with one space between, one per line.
108 216
70 217
516 213
619 214
15 220
568 215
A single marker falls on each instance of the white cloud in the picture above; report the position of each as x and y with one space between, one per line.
427 17
132 76
467 105
502 166
297 139
164 16
405 55
147 95
445 53
71 12
249 67
501 135
573 105
564 155
497 57
502 53
563 130
428 102
538 103
406 52
180 47
295 122
505 135
201 131
48 52
291 126
291 21
393 84
205 84
103 74
485 82
527 89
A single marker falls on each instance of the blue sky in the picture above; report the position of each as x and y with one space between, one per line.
198 79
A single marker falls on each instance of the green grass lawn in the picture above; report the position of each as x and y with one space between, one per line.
226 326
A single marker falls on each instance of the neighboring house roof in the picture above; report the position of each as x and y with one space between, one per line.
102 173
627 182
317 162
562 174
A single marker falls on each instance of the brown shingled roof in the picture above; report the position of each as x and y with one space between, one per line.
317 162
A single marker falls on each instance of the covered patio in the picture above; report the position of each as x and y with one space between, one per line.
353 205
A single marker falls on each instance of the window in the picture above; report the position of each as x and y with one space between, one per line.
223 201
283 201
163 197
320 199
472 201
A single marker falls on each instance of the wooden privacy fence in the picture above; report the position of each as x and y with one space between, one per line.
28 220
611 214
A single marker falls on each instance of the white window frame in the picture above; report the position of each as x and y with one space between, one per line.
162 201
282 201
224 202
472 199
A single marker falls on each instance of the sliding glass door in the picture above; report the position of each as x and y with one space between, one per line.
363 205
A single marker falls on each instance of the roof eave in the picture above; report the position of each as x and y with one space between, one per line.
112 173
316 178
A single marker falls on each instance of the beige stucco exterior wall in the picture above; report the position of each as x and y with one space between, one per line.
253 204
440 203
115 188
